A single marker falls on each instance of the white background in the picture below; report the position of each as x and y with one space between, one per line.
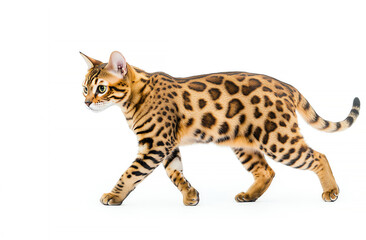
58 158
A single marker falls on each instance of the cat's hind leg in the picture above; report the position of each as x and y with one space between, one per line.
174 169
318 163
325 175
254 162
300 156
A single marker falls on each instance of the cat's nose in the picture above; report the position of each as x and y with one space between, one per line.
87 102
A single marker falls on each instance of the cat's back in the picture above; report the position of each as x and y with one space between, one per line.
220 88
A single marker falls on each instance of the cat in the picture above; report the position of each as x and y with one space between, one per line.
254 114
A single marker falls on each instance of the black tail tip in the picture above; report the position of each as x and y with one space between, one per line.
356 102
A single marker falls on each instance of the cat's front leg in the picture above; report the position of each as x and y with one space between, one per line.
148 158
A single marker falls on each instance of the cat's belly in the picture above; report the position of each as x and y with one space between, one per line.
187 140
236 142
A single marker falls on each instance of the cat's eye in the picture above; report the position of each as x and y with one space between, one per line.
85 90
102 88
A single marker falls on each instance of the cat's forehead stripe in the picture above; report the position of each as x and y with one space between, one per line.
93 76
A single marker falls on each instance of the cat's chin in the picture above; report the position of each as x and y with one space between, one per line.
99 107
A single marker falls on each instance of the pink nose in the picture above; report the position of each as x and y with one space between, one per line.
88 103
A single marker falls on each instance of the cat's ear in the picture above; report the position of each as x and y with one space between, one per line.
117 64
90 61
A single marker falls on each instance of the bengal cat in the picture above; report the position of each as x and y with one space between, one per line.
252 113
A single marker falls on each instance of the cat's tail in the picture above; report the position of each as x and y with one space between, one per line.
311 117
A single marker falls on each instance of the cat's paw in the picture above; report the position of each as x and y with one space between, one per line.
191 198
244 197
331 195
111 199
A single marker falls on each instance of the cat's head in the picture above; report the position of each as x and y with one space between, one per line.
106 84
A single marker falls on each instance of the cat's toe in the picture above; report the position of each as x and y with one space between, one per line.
331 195
110 199
244 197
191 198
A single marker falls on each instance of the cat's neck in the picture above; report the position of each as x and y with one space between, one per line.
140 88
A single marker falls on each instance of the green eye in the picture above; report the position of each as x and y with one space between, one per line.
102 89
85 90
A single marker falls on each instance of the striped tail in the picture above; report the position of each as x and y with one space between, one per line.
311 117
